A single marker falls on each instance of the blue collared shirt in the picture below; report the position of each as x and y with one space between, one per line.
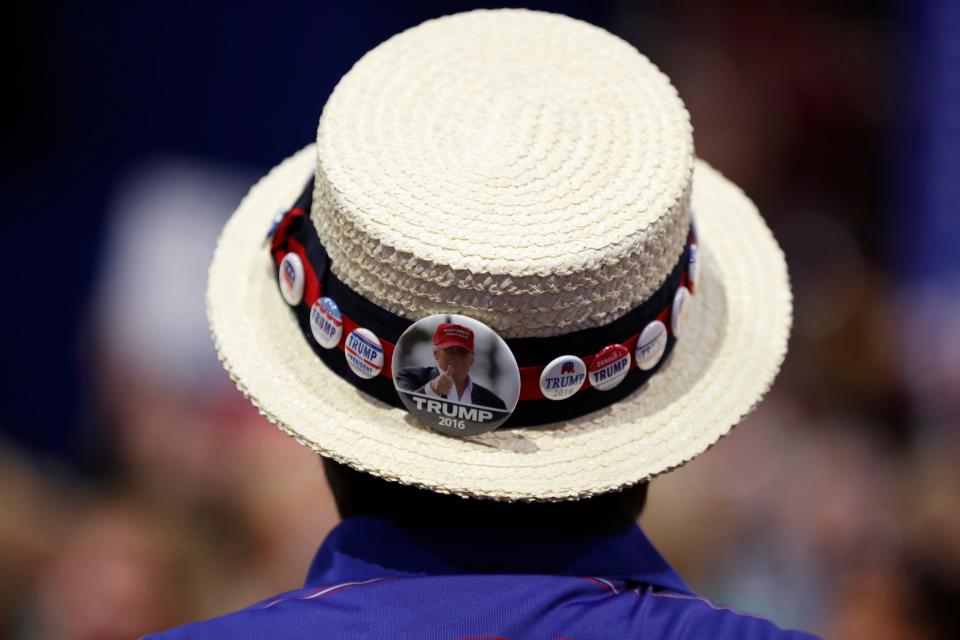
374 579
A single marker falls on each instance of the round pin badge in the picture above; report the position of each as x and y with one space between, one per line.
563 377
277 219
651 345
609 367
364 353
679 311
693 268
291 279
456 375
326 322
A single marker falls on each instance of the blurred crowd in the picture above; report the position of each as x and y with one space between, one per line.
834 508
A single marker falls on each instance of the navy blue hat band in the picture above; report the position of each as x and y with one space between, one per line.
298 253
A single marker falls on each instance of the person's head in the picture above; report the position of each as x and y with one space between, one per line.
456 360
453 350
357 493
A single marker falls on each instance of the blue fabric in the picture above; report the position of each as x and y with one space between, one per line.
373 579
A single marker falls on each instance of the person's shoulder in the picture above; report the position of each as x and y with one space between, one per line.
487 398
700 617
417 371
274 617
416 376
232 625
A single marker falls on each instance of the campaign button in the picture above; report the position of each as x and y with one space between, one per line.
277 219
609 367
291 279
456 375
563 377
680 311
693 268
326 322
694 227
651 345
364 353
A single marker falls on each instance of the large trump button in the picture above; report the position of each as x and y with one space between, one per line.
456 375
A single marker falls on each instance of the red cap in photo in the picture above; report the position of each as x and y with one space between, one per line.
453 335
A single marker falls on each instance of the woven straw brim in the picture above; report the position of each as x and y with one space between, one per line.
730 352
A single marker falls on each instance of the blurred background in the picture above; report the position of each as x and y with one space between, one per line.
135 478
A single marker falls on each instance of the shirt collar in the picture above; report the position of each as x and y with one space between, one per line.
362 548
466 390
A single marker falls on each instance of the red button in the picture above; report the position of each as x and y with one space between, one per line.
609 367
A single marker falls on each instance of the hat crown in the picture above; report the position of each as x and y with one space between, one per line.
523 168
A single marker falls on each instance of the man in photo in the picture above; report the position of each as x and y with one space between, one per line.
450 379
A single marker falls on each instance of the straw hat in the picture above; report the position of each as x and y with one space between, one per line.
537 174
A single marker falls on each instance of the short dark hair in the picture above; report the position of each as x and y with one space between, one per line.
358 493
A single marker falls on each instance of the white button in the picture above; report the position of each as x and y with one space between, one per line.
609 367
291 279
651 345
563 377
326 322
364 353
277 219
680 310
693 268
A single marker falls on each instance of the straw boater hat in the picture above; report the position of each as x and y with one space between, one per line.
535 174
